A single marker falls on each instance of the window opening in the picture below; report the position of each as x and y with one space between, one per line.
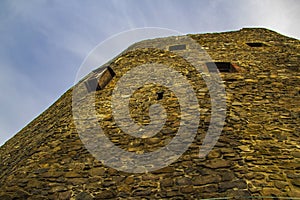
255 44
99 81
221 67
177 47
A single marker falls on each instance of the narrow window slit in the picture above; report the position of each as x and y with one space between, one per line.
255 44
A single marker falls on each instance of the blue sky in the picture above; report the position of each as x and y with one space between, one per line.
43 43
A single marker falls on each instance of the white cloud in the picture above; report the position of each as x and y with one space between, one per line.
279 15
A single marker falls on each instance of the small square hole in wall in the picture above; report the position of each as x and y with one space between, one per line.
255 44
177 47
221 67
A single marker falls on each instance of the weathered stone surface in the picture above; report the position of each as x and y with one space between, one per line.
58 188
105 195
212 188
97 172
280 184
294 193
166 182
203 180
215 153
255 175
84 196
276 177
218 163
183 181
239 184
72 175
64 195
271 192
244 148
296 182
6 197
227 175
296 154
187 189
257 153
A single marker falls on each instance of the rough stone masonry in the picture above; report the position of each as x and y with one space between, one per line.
257 154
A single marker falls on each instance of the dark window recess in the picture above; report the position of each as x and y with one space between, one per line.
220 67
177 47
160 95
99 81
255 44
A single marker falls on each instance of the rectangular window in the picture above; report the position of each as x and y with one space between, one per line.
220 67
100 80
255 44
177 47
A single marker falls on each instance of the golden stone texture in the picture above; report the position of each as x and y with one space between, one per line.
257 154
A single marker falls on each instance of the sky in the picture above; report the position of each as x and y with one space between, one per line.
44 42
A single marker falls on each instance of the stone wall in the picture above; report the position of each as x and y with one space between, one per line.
257 153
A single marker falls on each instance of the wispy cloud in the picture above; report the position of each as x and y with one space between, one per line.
21 100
